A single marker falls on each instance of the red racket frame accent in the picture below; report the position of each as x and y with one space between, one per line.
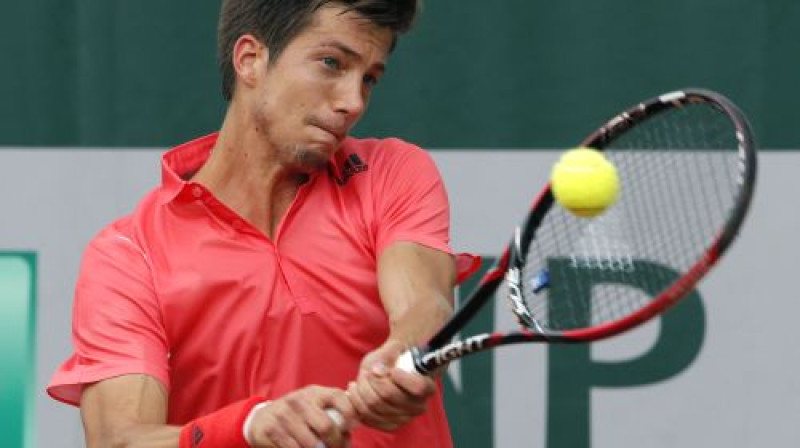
442 349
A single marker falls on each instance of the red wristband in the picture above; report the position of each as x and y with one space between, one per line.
220 429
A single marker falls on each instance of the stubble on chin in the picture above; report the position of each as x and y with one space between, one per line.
309 160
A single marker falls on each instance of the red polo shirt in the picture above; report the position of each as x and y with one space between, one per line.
185 290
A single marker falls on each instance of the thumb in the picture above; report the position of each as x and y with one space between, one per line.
379 360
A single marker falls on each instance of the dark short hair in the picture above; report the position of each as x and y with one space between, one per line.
276 22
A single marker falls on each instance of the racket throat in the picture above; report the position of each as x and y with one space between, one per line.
517 302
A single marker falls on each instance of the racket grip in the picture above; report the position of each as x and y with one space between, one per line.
337 418
404 362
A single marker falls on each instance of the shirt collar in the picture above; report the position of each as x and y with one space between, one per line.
181 162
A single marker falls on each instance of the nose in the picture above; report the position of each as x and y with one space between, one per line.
351 98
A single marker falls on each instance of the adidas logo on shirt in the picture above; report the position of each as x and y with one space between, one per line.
352 166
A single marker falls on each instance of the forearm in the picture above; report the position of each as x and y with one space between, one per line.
138 436
127 411
416 286
416 324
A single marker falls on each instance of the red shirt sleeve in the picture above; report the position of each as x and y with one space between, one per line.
117 327
411 201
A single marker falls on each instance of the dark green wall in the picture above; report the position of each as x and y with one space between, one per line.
521 73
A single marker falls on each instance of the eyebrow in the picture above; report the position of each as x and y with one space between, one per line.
380 66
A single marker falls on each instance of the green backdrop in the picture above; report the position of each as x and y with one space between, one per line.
518 73
17 348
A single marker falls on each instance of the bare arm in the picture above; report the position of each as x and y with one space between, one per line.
130 411
127 411
416 286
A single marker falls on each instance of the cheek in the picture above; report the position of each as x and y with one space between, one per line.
280 120
285 108
292 111
261 117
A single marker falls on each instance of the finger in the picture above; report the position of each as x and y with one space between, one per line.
405 393
381 395
376 368
347 414
275 432
329 429
415 385
365 414
295 425
282 440
302 418
377 413
343 443
332 416
377 361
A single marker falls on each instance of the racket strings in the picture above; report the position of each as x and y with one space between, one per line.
678 183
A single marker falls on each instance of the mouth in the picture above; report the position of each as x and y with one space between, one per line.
337 132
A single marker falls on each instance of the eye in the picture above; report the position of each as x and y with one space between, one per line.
331 62
370 80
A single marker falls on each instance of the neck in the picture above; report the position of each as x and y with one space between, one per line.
246 175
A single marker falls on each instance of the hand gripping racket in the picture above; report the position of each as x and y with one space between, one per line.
686 161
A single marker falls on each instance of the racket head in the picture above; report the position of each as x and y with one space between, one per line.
687 167
571 279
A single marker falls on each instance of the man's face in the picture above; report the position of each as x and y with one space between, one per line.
308 99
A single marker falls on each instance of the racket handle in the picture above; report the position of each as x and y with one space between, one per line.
337 418
404 362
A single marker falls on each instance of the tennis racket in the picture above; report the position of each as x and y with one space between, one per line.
686 161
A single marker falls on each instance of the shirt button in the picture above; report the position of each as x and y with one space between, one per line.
197 191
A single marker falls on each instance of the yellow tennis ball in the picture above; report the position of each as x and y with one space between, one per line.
584 182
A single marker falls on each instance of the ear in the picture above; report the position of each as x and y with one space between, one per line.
248 55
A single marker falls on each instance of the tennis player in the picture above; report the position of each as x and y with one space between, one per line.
281 266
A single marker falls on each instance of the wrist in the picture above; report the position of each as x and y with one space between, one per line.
248 421
221 428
